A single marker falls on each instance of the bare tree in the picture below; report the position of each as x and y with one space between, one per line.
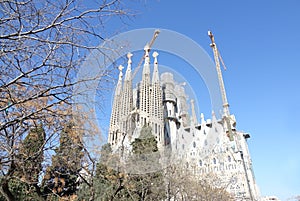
183 184
43 43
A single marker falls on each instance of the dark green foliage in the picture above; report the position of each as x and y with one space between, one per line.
61 177
146 143
149 183
109 183
23 184
31 155
23 191
112 183
62 181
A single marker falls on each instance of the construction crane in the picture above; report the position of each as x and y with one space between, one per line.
217 57
226 115
156 32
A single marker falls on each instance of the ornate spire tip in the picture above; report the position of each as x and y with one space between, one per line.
129 55
120 68
155 54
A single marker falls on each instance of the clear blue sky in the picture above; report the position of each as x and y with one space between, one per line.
260 44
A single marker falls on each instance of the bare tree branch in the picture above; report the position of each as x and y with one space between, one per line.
43 44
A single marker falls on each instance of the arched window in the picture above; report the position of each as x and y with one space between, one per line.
200 162
214 160
194 144
229 159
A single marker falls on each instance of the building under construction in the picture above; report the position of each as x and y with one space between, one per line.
204 146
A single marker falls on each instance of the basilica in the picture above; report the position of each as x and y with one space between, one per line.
204 146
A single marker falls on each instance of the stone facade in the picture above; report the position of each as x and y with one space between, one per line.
203 147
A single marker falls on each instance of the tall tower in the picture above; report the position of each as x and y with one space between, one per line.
170 108
144 105
156 112
127 99
114 128
182 105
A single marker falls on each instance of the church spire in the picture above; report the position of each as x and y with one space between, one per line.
128 70
144 96
156 118
155 77
113 136
119 84
127 99
146 69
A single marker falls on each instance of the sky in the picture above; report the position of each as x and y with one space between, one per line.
260 44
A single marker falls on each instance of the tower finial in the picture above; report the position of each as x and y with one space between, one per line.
128 71
155 54
155 77
147 50
120 74
129 55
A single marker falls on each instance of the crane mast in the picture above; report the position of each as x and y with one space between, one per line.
226 113
220 78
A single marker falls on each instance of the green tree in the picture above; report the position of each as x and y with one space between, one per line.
145 144
32 155
62 176
142 179
24 183
109 182
148 182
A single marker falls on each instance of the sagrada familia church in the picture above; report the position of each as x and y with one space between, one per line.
206 146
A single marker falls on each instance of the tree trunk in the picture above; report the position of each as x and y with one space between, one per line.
4 189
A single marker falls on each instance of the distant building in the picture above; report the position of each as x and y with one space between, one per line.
204 146
270 198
